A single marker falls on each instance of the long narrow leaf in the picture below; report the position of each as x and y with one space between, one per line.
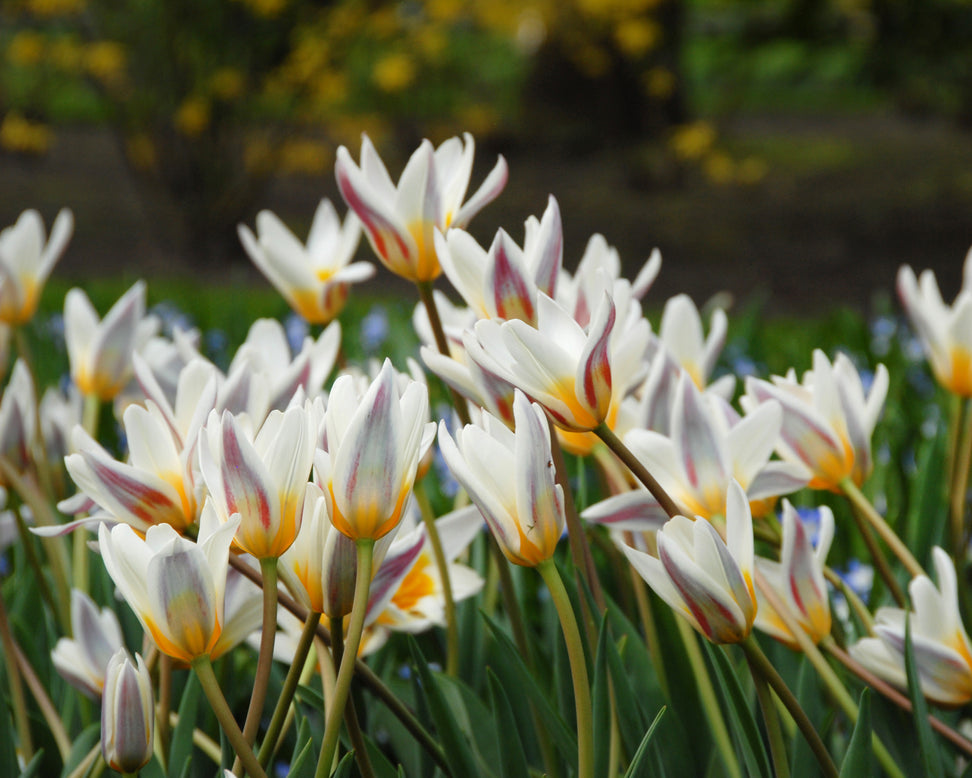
857 761
639 767
180 751
512 760
930 758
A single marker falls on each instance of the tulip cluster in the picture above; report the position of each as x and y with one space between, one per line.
286 504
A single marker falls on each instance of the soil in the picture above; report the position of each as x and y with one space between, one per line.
844 202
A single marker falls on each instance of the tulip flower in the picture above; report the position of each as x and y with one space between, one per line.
374 443
18 419
176 587
707 448
314 279
828 418
510 477
681 335
557 363
127 714
943 653
83 660
502 283
26 262
945 331
399 221
260 477
100 351
798 579
157 485
707 580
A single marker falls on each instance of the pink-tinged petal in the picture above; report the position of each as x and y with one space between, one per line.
463 261
512 294
549 251
183 602
111 351
393 568
488 191
654 574
417 197
750 442
593 379
388 236
636 511
375 173
778 478
804 579
739 529
701 451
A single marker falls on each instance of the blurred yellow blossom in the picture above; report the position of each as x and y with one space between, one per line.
105 60
751 170
444 10
636 36
66 54
55 7
24 136
192 117
141 151
226 84
659 82
302 155
265 8
719 167
331 86
693 141
26 48
394 72
431 41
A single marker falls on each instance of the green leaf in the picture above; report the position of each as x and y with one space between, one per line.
631 720
742 723
345 767
857 760
80 748
930 758
32 770
601 705
180 751
640 767
512 760
303 764
514 674
458 754
8 752
803 764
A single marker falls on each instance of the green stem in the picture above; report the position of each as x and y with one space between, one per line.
350 713
289 687
362 583
834 685
27 540
90 414
761 666
877 556
210 686
649 628
613 442
428 300
959 486
898 548
268 633
442 565
162 730
14 680
47 709
772 720
578 667
708 697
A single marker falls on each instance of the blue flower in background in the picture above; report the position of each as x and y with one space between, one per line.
216 344
171 318
297 329
374 329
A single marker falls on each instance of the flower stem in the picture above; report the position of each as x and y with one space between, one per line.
877 556
17 699
606 434
761 666
578 668
834 685
898 548
442 565
261 679
959 483
289 687
335 713
428 300
162 729
47 709
772 720
350 714
210 686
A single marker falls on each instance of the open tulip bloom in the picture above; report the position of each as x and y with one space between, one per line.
399 220
702 577
176 587
26 261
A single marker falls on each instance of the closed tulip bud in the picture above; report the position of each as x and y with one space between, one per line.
127 714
